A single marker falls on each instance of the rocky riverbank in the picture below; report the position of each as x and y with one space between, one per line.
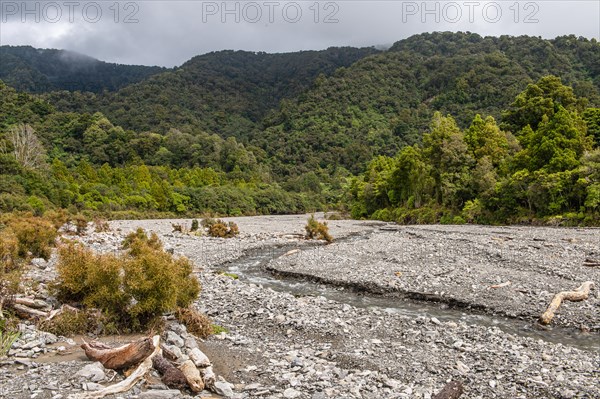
280 345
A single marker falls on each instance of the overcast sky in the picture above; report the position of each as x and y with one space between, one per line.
168 33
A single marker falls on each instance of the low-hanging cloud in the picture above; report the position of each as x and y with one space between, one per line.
168 33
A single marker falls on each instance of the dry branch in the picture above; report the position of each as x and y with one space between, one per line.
591 262
121 357
579 294
452 390
61 310
130 381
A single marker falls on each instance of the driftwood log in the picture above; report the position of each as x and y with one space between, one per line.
32 303
579 294
452 390
26 311
130 381
192 375
171 375
122 357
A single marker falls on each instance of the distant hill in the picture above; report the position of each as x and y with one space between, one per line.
225 92
386 101
340 107
41 70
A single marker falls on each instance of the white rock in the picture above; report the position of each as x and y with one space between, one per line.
160 394
291 393
199 358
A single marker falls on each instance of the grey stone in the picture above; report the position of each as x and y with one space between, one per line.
93 372
173 338
291 393
160 394
223 388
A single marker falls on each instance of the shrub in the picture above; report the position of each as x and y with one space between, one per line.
93 280
10 272
101 225
9 250
157 283
132 290
81 224
317 230
195 225
57 217
35 235
177 228
197 323
77 321
222 229
335 216
139 238
207 222
7 337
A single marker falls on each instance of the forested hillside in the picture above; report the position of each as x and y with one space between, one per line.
82 162
41 70
386 101
443 126
548 169
225 92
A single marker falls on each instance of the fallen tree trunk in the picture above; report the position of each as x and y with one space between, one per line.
579 294
32 303
591 262
121 357
26 311
130 381
452 390
171 375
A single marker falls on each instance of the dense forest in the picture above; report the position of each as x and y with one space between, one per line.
41 70
449 127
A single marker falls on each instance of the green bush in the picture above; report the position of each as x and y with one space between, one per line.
177 228
76 321
10 272
317 230
101 225
131 290
7 337
134 240
195 225
81 224
35 235
220 228
207 222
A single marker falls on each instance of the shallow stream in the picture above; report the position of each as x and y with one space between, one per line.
252 268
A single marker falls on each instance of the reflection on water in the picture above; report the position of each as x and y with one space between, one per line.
250 268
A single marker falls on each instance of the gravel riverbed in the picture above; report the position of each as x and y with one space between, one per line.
280 345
